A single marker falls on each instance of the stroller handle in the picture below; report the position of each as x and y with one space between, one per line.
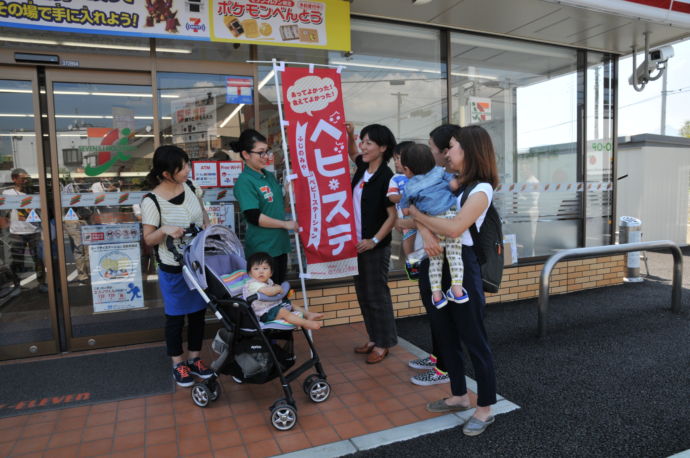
177 248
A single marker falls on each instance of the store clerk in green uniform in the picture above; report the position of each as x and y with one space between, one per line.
260 197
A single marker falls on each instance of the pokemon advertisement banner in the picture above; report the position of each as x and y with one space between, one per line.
323 24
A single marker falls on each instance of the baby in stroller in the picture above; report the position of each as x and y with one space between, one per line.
260 269
249 349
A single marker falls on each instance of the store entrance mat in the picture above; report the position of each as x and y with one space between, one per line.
71 381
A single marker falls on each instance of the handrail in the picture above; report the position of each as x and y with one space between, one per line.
603 250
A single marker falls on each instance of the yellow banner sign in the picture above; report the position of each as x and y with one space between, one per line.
321 24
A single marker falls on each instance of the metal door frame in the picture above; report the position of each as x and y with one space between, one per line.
61 75
23 350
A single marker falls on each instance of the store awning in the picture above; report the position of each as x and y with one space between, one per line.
604 25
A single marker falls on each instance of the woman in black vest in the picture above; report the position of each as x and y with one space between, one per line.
374 218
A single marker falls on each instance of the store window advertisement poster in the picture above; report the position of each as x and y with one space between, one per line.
205 173
116 277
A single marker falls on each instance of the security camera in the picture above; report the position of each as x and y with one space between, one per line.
654 60
661 55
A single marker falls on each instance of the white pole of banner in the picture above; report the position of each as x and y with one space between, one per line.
277 69
294 63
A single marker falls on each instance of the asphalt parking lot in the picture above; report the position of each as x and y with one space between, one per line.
611 379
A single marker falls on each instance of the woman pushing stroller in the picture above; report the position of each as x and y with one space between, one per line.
173 205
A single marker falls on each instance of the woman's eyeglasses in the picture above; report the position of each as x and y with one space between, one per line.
262 154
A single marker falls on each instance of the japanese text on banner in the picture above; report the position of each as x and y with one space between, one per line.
318 154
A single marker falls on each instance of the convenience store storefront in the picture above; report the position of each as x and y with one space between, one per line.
82 112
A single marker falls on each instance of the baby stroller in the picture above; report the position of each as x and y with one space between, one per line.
249 350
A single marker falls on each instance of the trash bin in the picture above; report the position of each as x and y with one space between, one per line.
630 231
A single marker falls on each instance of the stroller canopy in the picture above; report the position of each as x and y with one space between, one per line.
215 241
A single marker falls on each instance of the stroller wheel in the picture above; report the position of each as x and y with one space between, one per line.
283 415
202 394
319 390
215 390
306 386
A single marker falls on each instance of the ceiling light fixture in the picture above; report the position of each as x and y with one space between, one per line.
123 47
17 91
28 40
411 69
420 2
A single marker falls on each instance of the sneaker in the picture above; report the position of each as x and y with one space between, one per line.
182 374
198 368
412 270
423 363
431 377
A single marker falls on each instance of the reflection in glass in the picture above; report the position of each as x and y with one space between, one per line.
395 78
599 149
105 143
24 302
525 96
196 116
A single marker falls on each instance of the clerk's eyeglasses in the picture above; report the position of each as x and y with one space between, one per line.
263 154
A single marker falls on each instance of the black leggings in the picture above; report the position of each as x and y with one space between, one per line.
463 324
195 332
279 269
425 295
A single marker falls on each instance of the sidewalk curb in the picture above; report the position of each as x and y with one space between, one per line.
400 433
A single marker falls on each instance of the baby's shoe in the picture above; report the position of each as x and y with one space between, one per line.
440 303
457 299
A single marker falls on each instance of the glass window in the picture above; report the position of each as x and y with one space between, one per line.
195 115
599 149
525 95
23 292
395 77
105 139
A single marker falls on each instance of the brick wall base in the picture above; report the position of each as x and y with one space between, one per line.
340 306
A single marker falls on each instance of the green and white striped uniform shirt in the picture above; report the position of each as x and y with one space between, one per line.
190 211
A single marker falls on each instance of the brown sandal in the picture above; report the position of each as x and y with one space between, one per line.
376 357
364 349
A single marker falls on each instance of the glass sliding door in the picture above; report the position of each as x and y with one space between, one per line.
27 304
102 142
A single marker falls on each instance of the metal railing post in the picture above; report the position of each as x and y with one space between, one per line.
550 263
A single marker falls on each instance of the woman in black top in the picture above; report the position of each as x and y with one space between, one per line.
374 217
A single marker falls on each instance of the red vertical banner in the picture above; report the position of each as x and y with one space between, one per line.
317 139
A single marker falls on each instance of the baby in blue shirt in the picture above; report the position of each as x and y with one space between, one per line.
396 189
431 189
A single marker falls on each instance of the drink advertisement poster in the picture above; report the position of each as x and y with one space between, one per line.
318 155
116 277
